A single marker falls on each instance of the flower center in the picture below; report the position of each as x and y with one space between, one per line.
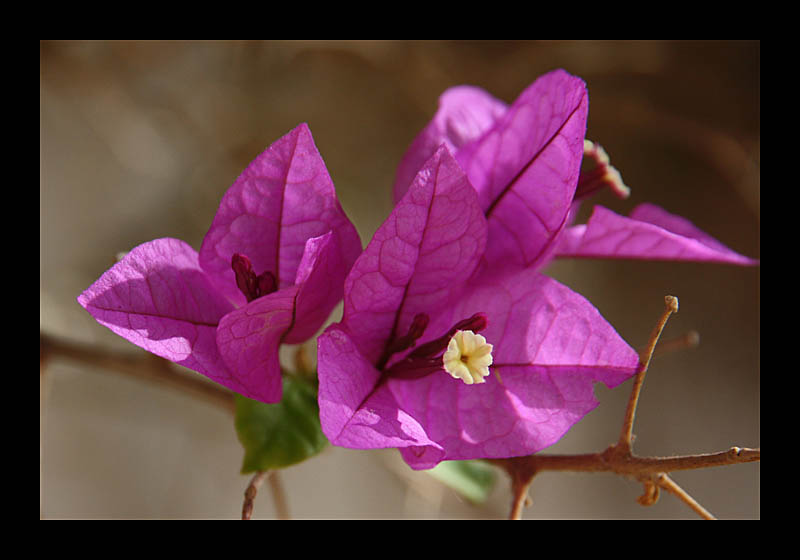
468 357
252 286
459 350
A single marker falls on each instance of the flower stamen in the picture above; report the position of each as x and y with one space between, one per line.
415 330
603 174
249 284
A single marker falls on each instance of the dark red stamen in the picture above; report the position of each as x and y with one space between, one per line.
476 323
249 284
266 283
418 326
415 330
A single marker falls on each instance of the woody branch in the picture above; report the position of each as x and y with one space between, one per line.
619 458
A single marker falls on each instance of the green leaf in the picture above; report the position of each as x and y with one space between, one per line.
474 480
281 434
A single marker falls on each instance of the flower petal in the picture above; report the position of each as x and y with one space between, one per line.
649 233
355 411
157 297
282 199
423 252
320 278
465 113
550 347
248 340
525 169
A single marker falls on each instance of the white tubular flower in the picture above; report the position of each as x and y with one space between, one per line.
468 357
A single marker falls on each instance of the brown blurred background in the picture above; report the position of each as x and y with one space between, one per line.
139 140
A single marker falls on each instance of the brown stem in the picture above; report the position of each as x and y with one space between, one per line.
279 496
669 485
141 365
650 470
250 493
520 493
619 458
626 436
152 368
628 465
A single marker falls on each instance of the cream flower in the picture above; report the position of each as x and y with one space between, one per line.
468 357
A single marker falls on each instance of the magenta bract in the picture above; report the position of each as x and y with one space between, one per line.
270 270
429 259
524 161
649 233
485 196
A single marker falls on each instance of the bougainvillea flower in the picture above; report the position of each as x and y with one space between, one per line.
405 368
269 271
451 261
524 161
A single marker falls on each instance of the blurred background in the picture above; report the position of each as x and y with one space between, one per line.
139 140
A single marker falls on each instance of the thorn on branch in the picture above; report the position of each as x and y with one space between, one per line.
651 493
669 485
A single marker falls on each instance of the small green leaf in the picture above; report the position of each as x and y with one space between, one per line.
472 479
281 434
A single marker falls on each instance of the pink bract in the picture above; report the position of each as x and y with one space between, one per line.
649 233
283 215
524 161
381 387
428 258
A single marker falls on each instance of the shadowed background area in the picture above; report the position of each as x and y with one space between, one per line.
139 140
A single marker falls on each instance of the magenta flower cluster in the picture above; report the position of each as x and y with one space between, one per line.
452 343
270 271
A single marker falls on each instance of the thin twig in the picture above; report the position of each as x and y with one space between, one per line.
152 368
619 458
630 465
141 365
520 499
649 470
521 479
626 436
279 496
250 493
669 485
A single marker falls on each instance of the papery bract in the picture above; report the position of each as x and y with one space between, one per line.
524 161
280 220
550 344
649 233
